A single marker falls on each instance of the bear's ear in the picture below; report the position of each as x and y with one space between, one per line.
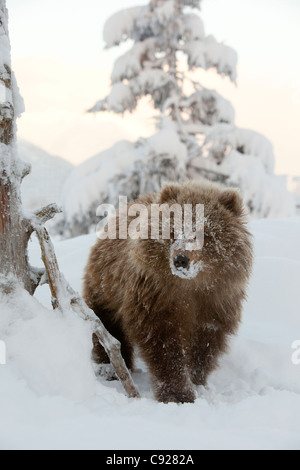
169 193
232 201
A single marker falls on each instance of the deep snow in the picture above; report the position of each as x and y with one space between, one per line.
50 398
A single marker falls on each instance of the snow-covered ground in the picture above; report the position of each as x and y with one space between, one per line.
50 398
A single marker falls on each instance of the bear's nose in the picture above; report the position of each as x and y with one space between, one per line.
181 261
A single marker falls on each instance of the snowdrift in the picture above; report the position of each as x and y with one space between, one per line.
50 398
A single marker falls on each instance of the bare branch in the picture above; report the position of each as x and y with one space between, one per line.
64 298
110 344
51 266
32 220
47 213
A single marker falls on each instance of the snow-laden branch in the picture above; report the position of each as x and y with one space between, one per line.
124 97
119 26
208 53
207 107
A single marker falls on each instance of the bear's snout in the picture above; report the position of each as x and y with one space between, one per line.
181 261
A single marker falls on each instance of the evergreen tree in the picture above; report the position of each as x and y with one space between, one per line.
196 137
167 34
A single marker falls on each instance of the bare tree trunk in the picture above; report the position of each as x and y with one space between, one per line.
13 237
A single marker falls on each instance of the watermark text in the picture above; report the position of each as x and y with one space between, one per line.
296 354
155 222
2 353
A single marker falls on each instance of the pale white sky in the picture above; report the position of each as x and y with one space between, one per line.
62 70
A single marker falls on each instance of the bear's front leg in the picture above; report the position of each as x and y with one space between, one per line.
165 357
205 351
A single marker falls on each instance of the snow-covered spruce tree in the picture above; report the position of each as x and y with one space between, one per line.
165 34
197 137
168 40
16 226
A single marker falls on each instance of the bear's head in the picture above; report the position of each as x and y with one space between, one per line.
210 244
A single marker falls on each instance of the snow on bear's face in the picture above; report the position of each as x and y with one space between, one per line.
185 263
222 247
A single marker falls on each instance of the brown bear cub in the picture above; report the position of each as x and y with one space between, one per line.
179 307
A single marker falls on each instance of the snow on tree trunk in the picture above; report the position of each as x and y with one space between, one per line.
13 227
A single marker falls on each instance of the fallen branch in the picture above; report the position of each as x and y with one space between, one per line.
64 298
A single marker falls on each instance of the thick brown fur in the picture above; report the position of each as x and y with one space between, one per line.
180 326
